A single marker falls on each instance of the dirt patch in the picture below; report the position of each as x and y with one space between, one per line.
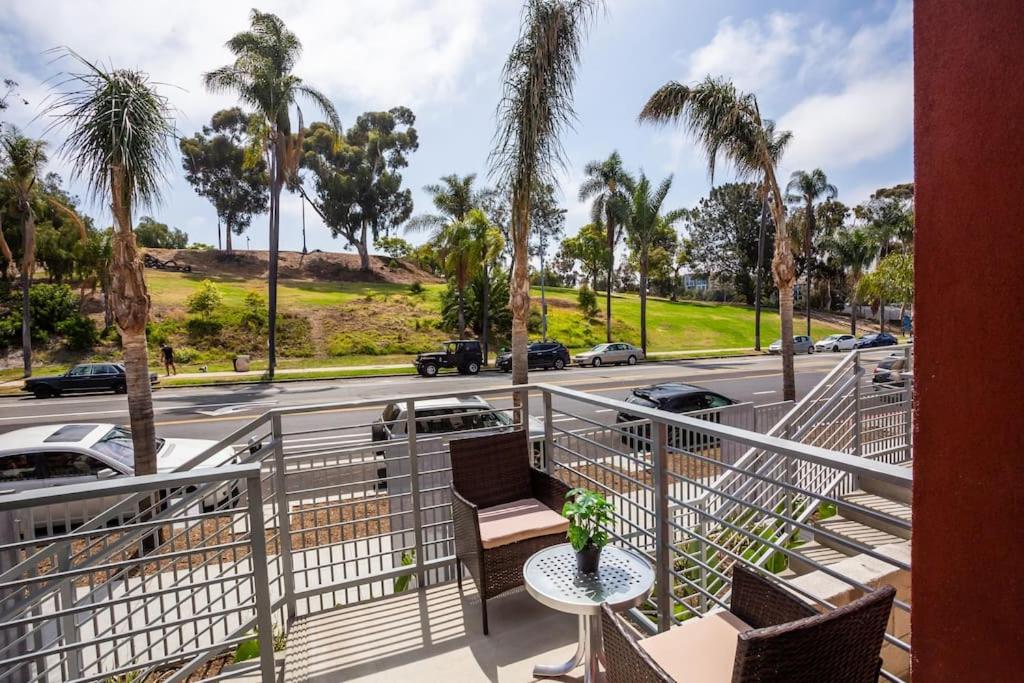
317 265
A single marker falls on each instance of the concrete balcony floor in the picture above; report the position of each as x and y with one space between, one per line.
431 635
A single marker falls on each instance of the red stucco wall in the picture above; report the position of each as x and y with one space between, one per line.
968 548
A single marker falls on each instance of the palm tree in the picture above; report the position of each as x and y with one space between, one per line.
809 188
728 122
454 197
609 185
25 158
777 142
535 107
119 143
855 250
262 77
643 222
466 248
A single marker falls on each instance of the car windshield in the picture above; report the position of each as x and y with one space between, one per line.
117 444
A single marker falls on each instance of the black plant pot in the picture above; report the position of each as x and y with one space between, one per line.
588 559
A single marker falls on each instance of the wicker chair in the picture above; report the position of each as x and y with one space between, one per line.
503 510
775 636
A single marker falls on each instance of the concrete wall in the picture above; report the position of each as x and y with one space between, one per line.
968 591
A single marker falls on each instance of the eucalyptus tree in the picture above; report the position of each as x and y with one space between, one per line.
535 108
727 123
217 167
262 77
589 248
643 222
356 176
118 142
609 186
808 188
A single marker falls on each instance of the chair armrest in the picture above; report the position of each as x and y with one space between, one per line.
548 490
466 520
625 660
761 603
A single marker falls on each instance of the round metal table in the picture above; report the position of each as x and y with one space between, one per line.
624 579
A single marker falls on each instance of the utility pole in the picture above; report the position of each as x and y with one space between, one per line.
543 300
302 202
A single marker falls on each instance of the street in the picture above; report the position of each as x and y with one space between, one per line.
212 412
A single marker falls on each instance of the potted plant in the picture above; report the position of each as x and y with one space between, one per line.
588 513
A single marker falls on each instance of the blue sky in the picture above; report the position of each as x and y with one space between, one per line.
836 73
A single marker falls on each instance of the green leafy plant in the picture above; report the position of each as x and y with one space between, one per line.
401 583
205 300
588 513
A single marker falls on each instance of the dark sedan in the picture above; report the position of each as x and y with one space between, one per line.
538 355
81 378
672 397
874 340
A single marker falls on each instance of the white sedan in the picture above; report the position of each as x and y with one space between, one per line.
59 454
836 342
606 354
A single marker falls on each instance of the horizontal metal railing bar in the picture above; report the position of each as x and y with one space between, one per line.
169 659
598 444
347 584
605 468
841 461
123 486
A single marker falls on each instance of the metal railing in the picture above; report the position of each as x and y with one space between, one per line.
350 501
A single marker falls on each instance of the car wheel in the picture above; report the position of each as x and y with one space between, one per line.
120 388
43 392
632 360
430 370
835 349
473 368
559 364
810 350
596 362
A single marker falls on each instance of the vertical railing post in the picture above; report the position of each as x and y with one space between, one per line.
662 556
549 434
260 577
68 626
284 528
414 486
908 403
856 404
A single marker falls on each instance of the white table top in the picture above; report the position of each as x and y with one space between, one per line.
624 579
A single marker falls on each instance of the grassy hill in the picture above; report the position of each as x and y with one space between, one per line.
353 323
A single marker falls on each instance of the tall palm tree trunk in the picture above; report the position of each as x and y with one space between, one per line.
808 253
519 299
611 274
485 333
276 184
130 303
786 315
853 314
758 272
643 302
28 264
462 312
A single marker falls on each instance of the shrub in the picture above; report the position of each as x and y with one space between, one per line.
205 300
254 312
587 302
79 332
200 328
416 288
51 305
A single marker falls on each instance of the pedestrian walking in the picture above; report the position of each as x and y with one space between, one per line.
168 353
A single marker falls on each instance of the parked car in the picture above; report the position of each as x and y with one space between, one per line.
672 397
60 454
801 344
542 354
876 339
892 371
465 355
83 377
604 354
447 416
836 342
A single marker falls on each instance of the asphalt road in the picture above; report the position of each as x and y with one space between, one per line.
213 412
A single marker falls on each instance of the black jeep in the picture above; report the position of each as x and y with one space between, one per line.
462 354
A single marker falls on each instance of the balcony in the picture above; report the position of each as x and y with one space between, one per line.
336 550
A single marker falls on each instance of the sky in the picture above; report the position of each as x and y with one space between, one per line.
837 73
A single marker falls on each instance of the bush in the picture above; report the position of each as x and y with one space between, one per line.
51 305
587 302
202 328
254 312
416 288
205 300
79 332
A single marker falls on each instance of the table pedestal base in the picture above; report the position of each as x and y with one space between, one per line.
588 652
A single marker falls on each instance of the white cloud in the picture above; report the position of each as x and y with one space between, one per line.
750 53
867 119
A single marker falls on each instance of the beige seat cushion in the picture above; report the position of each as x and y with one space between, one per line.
698 650
517 521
